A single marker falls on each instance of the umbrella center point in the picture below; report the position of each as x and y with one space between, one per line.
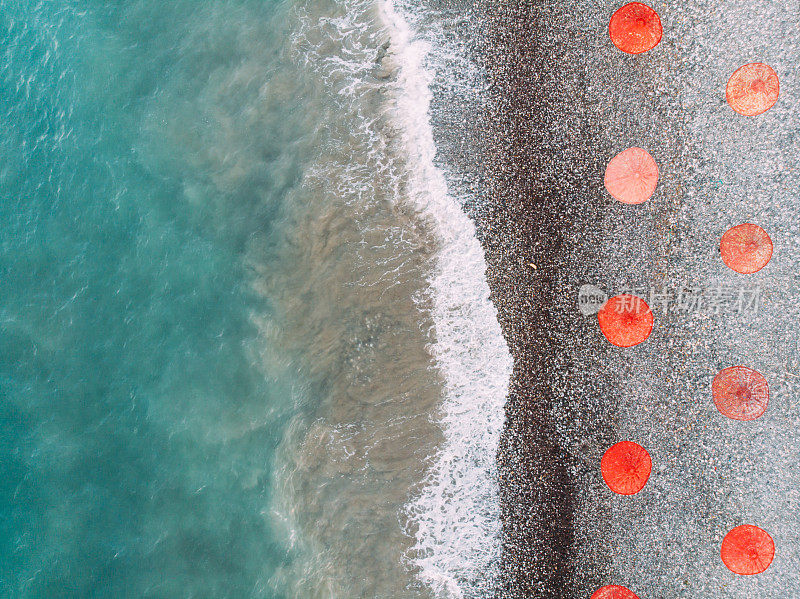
758 86
743 394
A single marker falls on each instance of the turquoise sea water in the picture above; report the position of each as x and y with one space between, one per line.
138 427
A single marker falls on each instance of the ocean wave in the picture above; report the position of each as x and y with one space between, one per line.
456 516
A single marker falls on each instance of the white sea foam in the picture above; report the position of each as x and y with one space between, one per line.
457 513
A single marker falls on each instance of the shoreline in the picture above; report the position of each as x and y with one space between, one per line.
456 512
482 141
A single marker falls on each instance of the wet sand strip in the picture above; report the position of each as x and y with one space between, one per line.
543 171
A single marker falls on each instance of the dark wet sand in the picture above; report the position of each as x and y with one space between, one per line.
528 240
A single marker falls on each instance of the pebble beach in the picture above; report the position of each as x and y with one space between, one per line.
563 101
